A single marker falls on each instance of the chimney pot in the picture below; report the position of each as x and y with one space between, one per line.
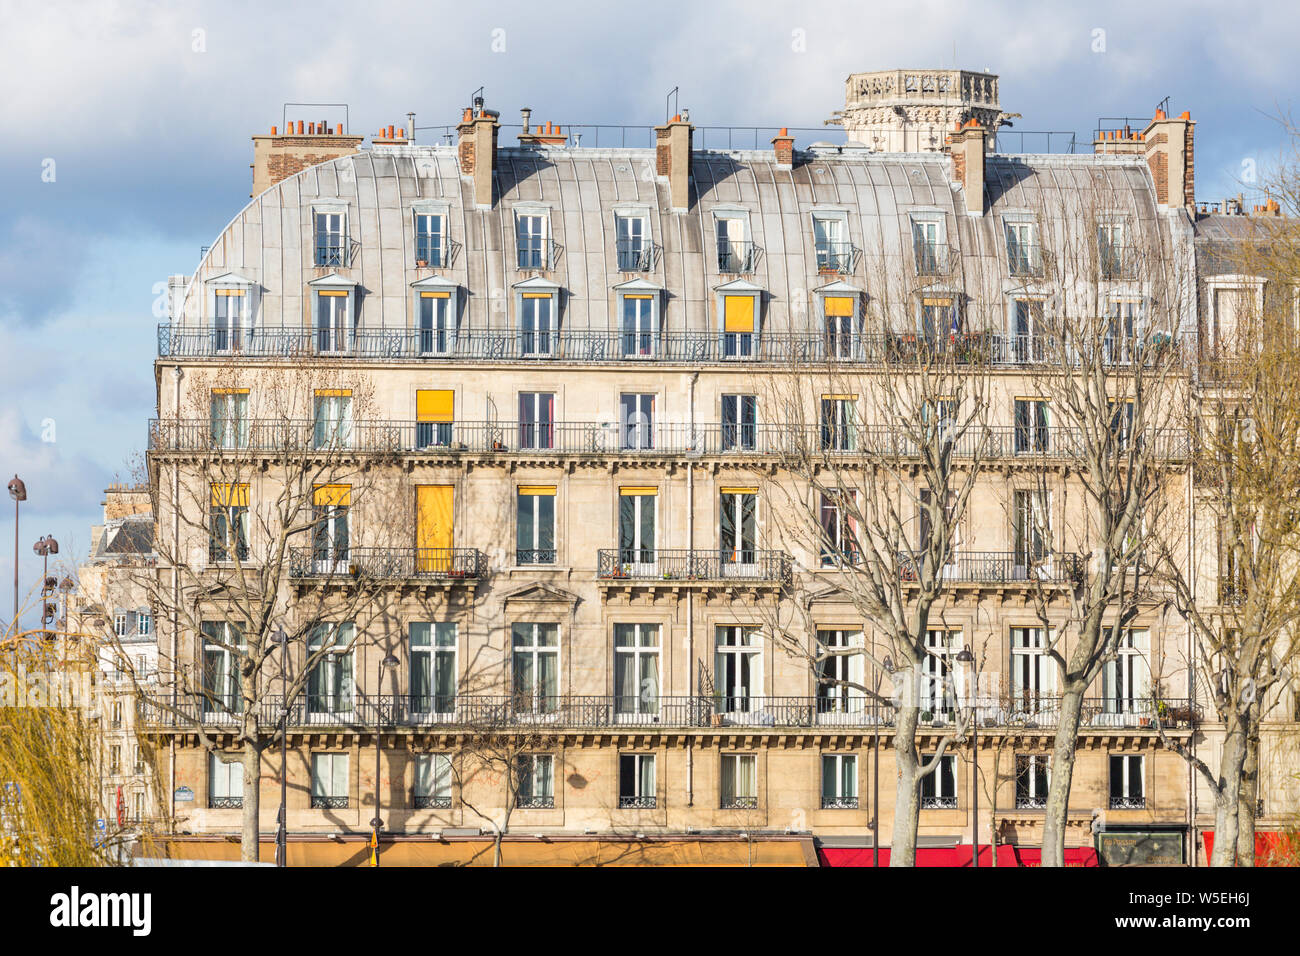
299 127
339 130
273 133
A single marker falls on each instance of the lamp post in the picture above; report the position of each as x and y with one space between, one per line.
282 828
964 656
388 663
18 492
45 547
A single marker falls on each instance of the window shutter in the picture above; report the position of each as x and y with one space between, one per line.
229 495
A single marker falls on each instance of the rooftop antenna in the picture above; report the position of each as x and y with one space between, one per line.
670 101
1163 105
410 124
476 100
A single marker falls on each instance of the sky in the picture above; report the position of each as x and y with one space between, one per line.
129 147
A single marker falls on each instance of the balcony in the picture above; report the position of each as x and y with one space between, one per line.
392 564
839 803
931 258
835 258
1024 259
322 802
538 255
1000 567
423 801
1128 803
333 252
739 803
637 255
435 252
736 257
636 803
225 803
938 803
615 566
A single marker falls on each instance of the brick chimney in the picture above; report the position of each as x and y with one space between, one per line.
673 159
783 145
1169 154
477 150
388 136
1118 142
537 136
966 144
280 155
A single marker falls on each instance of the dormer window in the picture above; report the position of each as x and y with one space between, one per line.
638 311
1111 251
738 313
232 302
735 250
632 242
430 240
929 249
841 323
434 302
532 240
831 243
331 238
1024 254
333 314
538 319
940 320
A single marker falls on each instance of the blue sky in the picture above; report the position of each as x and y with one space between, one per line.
142 112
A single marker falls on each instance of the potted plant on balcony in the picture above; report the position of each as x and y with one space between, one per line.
421 263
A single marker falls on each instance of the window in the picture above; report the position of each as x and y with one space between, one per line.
1123 331
535 774
329 781
222 643
1230 307
536 667
937 694
1031 529
137 762
229 523
739 664
840 680
633 244
1031 434
1127 783
940 321
330 688
637 418
834 253
531 239
115 759
432 782
738 325
636 527
536 419
537 329
229 417
1111 251
430 240
928 247
636 782
737 528
839 544
1024 256
1033 673
225 783
939 787
116 720
229 318
837 431
435 322
639 325
1031 781
435 414
535 524
911 564
333 321
433 667
1121 422
739 422
839 318
331 239
1125 681
636 669
739 782
1028 341
735 254
121 623
329 534
839 782
332 418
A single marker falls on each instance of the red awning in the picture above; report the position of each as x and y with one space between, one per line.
1272 847
959 855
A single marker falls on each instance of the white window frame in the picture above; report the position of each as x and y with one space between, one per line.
432 786
838 699
646 646
238 338
424 210
529 344
639 799
838 261
535 546
921 223
343 326
742 262
225 780
333 260
840 344
443 643
1126 799
745 345
732 645
738 800
939 797
538 704
643 244
536 781
541 214
1126 680
442 291
1036 763
336 668
644 339
842 791
330 773
1033 672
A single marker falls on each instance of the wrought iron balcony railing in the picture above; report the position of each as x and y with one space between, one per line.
387 563
538 255
636 803
333 251
734 802
1000 567
938 803
535 802
321 802
736 256
839 803
649 564
1025 258
838 258
1128 803
225 803
931 258
423 801
637 255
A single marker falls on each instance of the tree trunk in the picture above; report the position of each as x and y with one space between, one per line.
907 798
250 836
1060 774
1247 801
1228 797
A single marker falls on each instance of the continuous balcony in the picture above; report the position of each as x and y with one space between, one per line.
1001 568
387 564
674 566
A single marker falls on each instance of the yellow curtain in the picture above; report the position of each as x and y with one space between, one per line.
839 398
737 491
332 496
330 292
229 291
434 405
639 490
435 295
433 527
333 392
837 305
739 315
230 391
229 495
537 489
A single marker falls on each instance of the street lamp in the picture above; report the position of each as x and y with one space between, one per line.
282 829
964 656
388 663
45 547
18 492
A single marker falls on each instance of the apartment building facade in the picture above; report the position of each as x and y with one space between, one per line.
561 381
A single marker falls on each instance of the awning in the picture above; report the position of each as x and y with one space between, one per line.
1272 847
959 855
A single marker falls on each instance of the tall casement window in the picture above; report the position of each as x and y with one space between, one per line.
1031 781
831 244
536 419
435 414
735 251
329 534
536 666
738 783
636 669
329 781
434 323
537 326
737 528
636 782
837 422
937 695
433 667
332 418
739 325
639 325
229 317
229 417
331 239
435 528
939 788
636 526
432 781
225 782
940 321
739 422
1123 331
839 782
1024 255
333 321
926 522
636 412
928 247
839 541
1031 529
535 778
1031 432
840 674
430 240
839 324
228 537
1121 422
738 661
1229 319
532 239
223 644
1028 333
329 684
535 524
1033 673
1127 782
1111 259
1126 681
632 242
